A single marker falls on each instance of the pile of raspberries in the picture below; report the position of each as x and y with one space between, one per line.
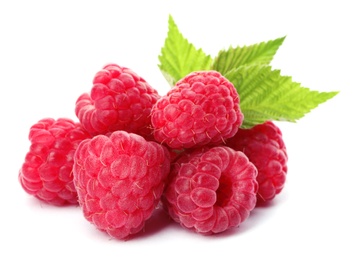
134 151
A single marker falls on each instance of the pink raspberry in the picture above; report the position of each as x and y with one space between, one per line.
120 179
47 170
211 189
119 100
264 146
202 108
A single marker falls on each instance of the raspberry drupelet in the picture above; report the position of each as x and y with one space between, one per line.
47 170
202 108
119 100
120 179
264 146
211 189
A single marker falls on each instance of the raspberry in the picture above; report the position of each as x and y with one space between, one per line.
211 189
202 108
47 170
119 100
264 146
120 179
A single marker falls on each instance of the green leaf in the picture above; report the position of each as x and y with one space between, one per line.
260 53
267 95
179 57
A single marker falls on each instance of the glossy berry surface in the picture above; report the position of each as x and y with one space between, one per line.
211 189
119 100
120 179
264 146
47 170
202 108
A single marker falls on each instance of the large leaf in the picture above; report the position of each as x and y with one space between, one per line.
267 95
260 53
179 57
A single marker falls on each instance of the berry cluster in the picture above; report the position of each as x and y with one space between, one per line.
133 150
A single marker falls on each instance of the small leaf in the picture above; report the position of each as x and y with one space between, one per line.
260 53
267 95
179 57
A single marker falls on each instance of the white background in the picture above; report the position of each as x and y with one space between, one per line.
49 53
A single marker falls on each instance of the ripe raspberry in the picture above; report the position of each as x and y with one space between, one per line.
47 170
201 108
119 100
120 180
264 146
211 189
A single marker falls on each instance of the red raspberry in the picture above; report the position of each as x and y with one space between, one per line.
264 146
47 170
201 108
120 180
119 100
211 189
